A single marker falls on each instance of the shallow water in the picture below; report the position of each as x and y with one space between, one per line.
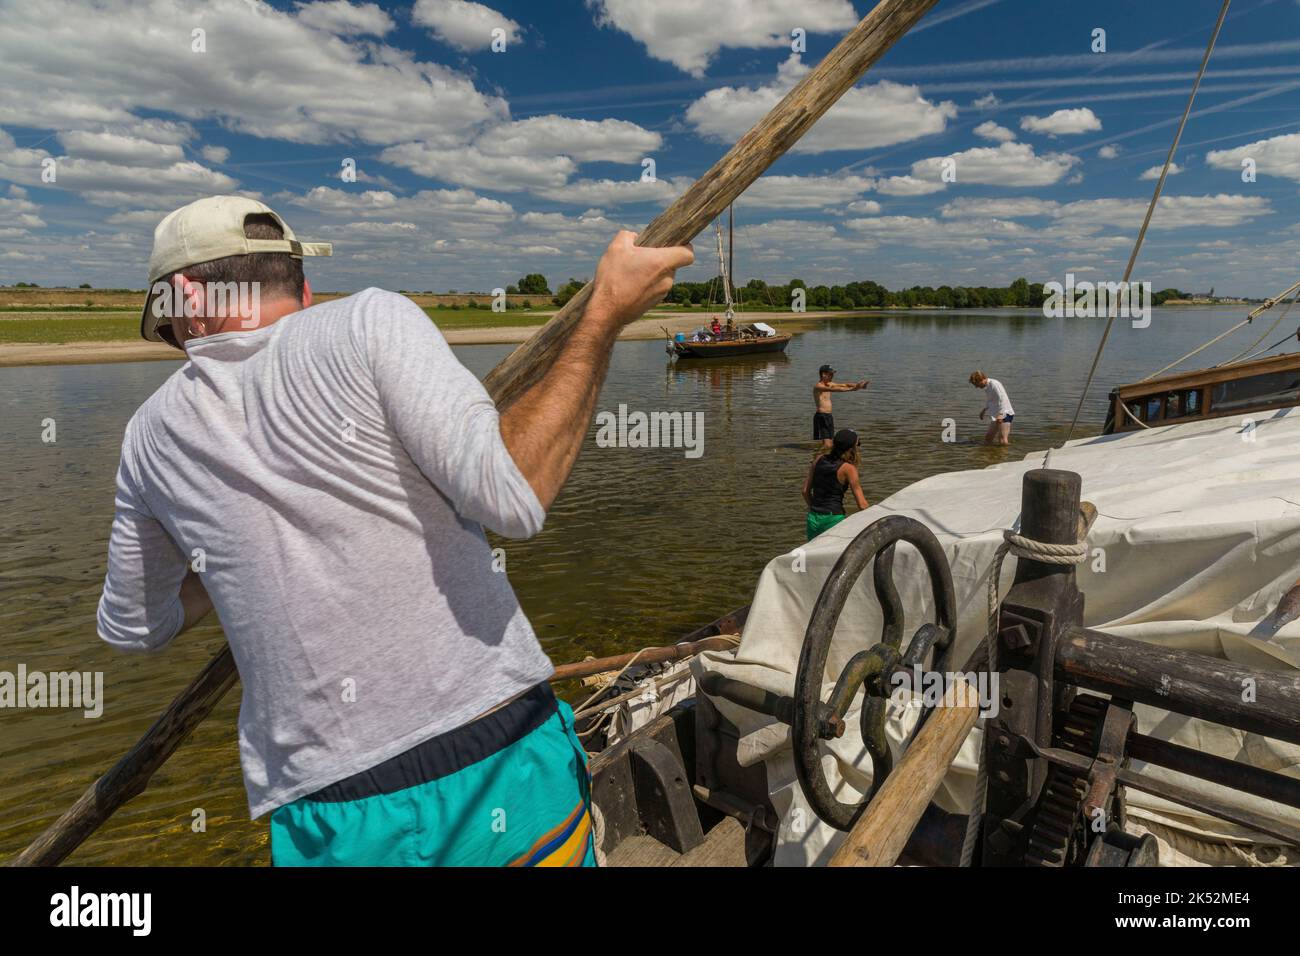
643 545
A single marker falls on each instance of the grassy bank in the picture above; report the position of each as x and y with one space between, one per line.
57 327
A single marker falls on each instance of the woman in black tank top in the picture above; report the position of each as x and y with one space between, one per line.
830 476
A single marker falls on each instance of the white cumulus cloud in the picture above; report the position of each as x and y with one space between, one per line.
1062 122
689 33
1276 156
1008 164
463 24
866 117
991 130
1154 171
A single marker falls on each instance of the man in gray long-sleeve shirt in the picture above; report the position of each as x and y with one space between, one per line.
320 475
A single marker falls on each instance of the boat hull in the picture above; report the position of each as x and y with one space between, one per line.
771 343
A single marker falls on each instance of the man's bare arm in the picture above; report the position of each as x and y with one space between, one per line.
545 427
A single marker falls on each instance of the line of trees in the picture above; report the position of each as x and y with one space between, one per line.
872 295
757 294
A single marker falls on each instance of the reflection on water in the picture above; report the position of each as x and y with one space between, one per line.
643 545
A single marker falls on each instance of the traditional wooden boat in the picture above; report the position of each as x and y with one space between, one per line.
1243 390
744 342
749 339
1118 738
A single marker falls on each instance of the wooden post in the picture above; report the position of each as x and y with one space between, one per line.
1037 610
881 833
681 222
730 176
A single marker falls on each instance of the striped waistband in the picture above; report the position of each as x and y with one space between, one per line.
447 753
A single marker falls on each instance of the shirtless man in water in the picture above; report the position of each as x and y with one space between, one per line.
823 421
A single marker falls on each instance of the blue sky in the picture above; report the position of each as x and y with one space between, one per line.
476 166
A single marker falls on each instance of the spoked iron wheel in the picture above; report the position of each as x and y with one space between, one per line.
814 720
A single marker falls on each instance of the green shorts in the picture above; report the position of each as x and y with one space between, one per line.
508 789
817 523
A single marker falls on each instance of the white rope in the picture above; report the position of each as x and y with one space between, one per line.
1129 413
598 834
1200 348
1023 547
1250 353
1268 304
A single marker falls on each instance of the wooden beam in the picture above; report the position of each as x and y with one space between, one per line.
881 833
1184 682
730 176
1178 381
648 655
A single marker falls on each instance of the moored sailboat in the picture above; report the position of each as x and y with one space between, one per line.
747 339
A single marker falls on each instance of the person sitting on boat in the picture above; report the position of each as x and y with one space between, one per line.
731 328
716 328
330 469
830 475
997 407
823 420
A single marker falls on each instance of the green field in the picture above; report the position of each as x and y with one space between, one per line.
55 327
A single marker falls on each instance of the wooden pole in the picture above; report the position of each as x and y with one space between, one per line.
681 222
649 655
880 834
730 176
130 775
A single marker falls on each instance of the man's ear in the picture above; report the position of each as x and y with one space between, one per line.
306 293
194 316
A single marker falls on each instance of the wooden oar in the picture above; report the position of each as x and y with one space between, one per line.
880 834
679 223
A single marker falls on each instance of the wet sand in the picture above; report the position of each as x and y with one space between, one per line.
84 353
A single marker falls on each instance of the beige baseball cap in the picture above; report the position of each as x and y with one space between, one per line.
208 229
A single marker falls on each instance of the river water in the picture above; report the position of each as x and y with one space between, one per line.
644 544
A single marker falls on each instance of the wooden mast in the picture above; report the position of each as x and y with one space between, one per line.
681 222
731 255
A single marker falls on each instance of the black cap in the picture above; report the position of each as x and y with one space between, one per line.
824 369
844 439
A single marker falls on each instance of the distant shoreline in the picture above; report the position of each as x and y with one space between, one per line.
119 350
16 354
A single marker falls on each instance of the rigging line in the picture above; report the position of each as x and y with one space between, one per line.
1129 412
1287 338
1200 348
1151 208
1250 350
1268 303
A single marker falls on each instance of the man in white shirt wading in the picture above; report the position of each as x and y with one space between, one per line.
997 407
321 476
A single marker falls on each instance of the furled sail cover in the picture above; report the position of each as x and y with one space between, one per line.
1197 538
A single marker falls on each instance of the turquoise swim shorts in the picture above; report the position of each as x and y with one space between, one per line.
508 789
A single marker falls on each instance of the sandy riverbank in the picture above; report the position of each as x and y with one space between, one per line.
83 353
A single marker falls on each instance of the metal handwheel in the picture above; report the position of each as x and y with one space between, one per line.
815 720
